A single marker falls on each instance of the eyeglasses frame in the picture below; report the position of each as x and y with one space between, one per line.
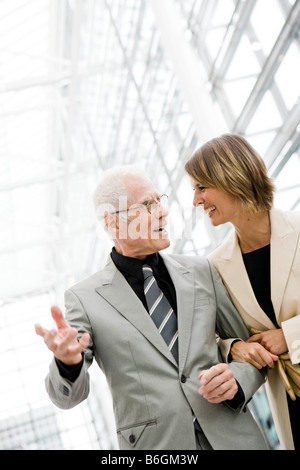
156 201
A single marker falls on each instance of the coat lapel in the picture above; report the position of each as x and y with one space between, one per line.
283 248
183 280
119 294
116 290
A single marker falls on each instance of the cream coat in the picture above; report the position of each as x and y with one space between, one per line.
285 294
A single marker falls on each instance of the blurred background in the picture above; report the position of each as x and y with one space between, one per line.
89 84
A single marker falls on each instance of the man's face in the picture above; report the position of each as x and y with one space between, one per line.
141 233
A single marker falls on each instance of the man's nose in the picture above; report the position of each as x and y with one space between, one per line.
161 211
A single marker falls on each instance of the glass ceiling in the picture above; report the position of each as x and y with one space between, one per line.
89 84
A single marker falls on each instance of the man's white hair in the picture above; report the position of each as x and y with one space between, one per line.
112 188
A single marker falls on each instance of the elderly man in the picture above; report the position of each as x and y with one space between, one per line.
150 321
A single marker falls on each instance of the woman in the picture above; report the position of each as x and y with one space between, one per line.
259 263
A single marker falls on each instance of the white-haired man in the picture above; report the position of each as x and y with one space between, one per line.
150 321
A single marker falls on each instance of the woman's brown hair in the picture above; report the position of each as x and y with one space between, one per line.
232 165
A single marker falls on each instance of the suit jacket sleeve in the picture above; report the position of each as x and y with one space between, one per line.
64 393
229 324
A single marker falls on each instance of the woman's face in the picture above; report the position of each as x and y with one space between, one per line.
220 206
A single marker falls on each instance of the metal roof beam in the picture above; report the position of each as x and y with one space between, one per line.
141 100
264 81
287 131
206 116
232 37
290 144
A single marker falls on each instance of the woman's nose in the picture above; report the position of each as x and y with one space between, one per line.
198 199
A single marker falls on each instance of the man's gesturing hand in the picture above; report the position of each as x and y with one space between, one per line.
63 341
218 384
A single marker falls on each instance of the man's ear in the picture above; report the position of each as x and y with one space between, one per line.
112 224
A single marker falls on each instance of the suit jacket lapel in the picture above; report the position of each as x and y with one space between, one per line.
183 280
116 290
283 247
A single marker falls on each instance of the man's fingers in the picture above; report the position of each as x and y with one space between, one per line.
218 384
207 375
84 340
80 346
63 341
65 337
226 391
58 317
40 330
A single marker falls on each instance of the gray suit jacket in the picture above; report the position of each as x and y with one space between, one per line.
154 399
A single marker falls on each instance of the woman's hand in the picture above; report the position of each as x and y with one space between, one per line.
254 353
272 340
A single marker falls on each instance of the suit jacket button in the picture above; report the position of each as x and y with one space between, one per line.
183 379
132 438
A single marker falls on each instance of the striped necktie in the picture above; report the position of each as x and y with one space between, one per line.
160 311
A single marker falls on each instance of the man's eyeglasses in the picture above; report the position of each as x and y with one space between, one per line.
151 205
